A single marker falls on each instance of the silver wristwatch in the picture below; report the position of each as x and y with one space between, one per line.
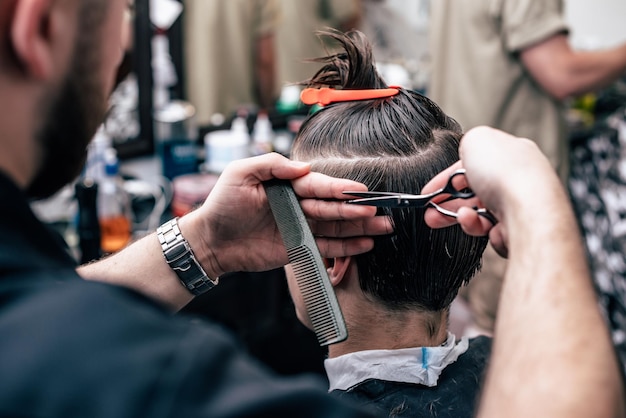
181 259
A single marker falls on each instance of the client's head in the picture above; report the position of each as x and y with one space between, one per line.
396 143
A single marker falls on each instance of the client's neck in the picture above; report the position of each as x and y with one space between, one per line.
373 327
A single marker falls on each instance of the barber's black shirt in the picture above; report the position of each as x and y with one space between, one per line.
72 348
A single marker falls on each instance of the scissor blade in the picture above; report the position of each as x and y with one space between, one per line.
371 194
397 201
380 201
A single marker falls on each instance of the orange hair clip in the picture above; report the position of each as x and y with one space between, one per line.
325 95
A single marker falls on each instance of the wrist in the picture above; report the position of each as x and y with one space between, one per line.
197 232
181 258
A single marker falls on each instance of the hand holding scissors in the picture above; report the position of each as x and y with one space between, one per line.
403 200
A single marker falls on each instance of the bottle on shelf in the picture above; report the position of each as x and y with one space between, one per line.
114 210
239 125
94 167
262 135
176 135
163 70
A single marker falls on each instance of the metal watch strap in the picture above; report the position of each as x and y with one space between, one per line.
181 259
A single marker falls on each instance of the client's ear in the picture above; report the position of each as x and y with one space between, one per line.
337 268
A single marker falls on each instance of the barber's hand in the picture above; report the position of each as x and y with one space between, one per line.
468 218
237 229
507 174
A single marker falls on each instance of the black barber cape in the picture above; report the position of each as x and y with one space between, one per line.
455 396
72 348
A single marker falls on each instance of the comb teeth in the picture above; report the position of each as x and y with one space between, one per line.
315 294
315 287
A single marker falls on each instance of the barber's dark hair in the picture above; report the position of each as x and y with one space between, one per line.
391 144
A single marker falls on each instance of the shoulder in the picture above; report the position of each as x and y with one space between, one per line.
527 22
474 361
454 396
465 375
103 351
480 345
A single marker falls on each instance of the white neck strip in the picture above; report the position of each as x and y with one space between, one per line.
419 365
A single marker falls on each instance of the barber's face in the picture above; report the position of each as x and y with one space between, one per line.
79 107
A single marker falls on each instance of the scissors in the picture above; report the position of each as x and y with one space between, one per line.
403 200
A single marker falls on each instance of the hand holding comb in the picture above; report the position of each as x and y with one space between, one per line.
313 281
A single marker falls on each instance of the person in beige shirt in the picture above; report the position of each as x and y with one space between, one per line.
229 55
508 64
296 40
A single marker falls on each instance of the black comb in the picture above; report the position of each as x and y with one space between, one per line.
317 292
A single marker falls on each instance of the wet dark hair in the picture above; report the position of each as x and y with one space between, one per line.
391 144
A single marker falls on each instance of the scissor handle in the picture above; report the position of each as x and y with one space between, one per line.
487 215
453 191
480 211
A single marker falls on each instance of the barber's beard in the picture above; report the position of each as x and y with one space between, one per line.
72 120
